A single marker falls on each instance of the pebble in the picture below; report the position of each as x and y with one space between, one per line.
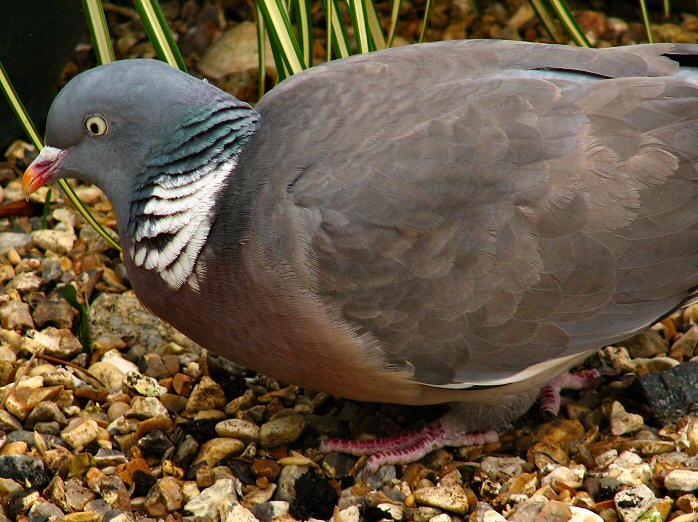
206 395
15 315
108 374
287 482
208 502
633 502
14 240
451 498
684 347
56 342
54 312
646 344
239 429
25 283
143 385
212 451
681 480
491 516
571 478
24 467
623 422
234 512
143 408
45 411
502 468
58 241
282 430
426 513
80 432
164 497
23 400
352 514
443 517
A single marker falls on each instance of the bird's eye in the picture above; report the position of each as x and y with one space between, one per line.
96 125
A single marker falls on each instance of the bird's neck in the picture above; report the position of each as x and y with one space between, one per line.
177 194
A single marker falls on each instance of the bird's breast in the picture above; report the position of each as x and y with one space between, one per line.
260 318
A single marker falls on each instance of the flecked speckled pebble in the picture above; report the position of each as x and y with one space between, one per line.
206 395
80 432
282 430
239 429
451 498
208 502
143 385
632 503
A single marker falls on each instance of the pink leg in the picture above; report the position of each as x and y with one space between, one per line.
409 447
550 394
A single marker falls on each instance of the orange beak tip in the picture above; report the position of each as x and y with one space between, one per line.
30 182
43 170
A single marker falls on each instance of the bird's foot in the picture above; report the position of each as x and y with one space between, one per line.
550 394
409 447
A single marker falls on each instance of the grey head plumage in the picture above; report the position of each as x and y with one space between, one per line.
170 143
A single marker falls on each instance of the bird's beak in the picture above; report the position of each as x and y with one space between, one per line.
42 170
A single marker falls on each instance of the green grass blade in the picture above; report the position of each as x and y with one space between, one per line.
427 7
262 48
85 213
284 43
375 25
304 23
35 138
99 32
548 20
569 23
338 33
646 21
330 34
359 18
394 16
159 33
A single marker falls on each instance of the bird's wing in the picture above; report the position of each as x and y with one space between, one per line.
482 207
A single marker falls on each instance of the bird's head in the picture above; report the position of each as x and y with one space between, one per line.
110 123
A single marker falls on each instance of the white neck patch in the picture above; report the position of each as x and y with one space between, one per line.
172 228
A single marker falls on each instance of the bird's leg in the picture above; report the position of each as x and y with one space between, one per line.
411 446
550 394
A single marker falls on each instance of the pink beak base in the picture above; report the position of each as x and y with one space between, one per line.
42 170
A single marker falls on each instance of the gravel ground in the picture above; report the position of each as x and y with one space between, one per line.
108 414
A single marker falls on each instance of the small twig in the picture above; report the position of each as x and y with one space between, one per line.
75 366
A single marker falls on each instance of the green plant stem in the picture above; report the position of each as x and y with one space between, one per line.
394 16
159 33
261 48
548 20
284 43
569 23
424 21
99 32
646 21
